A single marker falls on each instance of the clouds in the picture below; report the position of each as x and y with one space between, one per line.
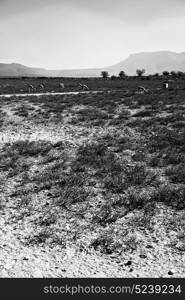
17 7
129 11
134 11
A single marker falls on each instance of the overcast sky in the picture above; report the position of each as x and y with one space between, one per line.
64 34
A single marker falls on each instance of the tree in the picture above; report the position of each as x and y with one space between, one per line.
173 74
166 73
105 74
122 75
113 77
180 74
140 72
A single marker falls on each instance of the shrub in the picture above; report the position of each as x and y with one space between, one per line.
176 173
97 156
139 175
104 244
138 198
26 148
171 194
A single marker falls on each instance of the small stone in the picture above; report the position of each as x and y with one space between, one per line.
170 273
128 263
180 246
149 246
181 235
114 255
142 255
49 194
131 270
25 258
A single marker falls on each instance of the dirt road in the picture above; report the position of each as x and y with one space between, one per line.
48 93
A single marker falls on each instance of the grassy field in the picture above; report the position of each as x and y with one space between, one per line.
103 172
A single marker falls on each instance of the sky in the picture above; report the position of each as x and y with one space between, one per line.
68 34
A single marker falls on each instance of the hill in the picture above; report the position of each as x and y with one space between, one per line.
152 62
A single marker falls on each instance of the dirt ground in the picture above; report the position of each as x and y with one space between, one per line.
156 252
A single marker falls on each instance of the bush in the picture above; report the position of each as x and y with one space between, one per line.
138 198
165 138
171 194
97 156
176 174
26 148
104 244
139 175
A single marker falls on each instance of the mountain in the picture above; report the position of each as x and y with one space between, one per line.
152 62
19 70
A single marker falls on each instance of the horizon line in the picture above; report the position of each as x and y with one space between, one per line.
88 68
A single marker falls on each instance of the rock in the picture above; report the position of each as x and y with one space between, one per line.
128 263
181 235
25 258
49 194
180 246
142 255
149 246
170 272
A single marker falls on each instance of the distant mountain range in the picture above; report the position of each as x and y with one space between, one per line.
152 62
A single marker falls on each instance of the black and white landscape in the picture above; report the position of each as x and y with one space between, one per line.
92 138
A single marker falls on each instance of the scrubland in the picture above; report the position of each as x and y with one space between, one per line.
93 184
